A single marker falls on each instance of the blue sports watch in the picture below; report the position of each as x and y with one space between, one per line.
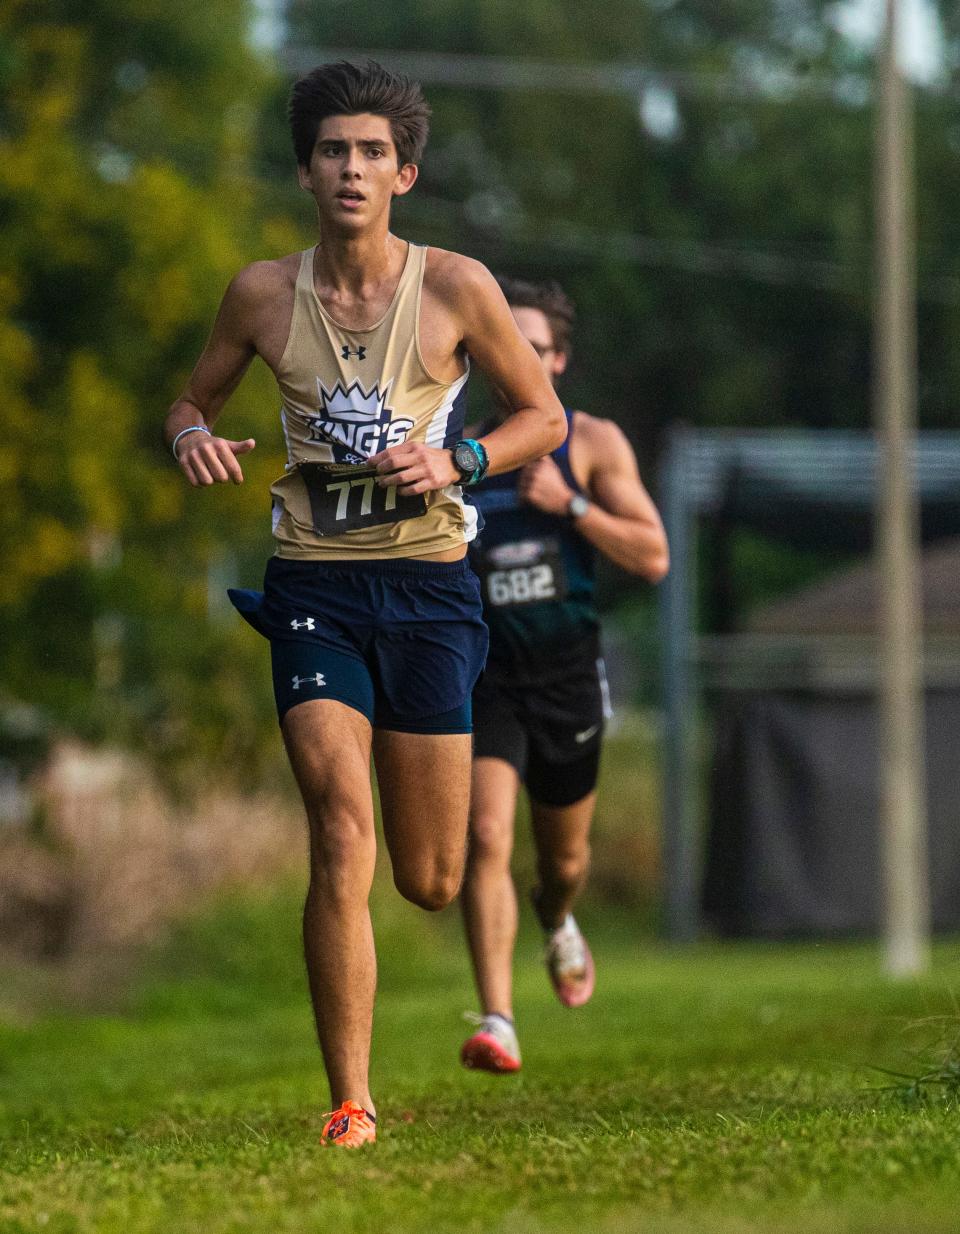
470 459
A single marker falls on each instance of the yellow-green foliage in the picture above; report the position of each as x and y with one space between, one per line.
127 206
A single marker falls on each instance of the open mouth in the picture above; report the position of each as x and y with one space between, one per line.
350 198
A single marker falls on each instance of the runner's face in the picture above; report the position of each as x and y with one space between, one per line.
535 328
353 173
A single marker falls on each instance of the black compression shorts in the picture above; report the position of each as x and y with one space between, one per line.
550 731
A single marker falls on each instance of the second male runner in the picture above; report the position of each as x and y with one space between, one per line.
539 710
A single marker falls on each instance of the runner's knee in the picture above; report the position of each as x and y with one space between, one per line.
430 889
566 869
491 839
342 842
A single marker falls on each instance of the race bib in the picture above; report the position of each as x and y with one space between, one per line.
525 572
348 498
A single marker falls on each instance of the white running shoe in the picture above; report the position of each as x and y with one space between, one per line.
569 963
493 1047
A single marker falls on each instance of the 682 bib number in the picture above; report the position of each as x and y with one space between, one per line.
348 498
521 585
527 572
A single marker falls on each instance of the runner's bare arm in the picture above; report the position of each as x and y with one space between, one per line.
211 459
493 341
621 520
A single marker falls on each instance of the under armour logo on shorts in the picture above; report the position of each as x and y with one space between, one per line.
308 623
315 679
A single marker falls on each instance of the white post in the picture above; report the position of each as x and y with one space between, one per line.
902 781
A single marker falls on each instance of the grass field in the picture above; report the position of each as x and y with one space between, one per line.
716 1089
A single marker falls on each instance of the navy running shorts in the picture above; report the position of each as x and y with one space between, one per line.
401 641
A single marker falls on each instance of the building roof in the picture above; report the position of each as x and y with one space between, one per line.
846 602
808 488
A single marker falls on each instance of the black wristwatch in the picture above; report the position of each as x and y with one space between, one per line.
470 459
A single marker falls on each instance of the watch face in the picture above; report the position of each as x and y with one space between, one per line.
466 458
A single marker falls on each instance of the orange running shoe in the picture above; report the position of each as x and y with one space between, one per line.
349 1127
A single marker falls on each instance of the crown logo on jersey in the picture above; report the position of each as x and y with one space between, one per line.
352 403
356 423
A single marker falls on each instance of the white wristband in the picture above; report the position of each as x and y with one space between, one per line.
194 428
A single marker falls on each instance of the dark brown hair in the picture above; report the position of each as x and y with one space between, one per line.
550 299
345 89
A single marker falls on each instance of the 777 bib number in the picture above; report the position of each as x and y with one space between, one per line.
348 498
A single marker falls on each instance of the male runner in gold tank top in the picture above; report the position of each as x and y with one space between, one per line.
372 612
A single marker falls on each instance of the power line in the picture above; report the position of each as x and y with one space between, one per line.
689 256
623 78
759 79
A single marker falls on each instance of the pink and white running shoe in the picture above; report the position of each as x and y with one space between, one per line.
569 963
493 1047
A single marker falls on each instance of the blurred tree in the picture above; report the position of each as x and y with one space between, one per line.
126 204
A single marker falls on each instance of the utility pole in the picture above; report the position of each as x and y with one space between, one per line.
903 837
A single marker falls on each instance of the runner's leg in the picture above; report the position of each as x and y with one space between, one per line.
424 782
562 838
329 748
488 899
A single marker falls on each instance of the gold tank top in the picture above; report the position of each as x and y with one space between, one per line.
347 394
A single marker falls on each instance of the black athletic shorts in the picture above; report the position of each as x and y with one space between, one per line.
549 729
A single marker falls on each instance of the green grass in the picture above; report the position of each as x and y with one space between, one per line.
710 1089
